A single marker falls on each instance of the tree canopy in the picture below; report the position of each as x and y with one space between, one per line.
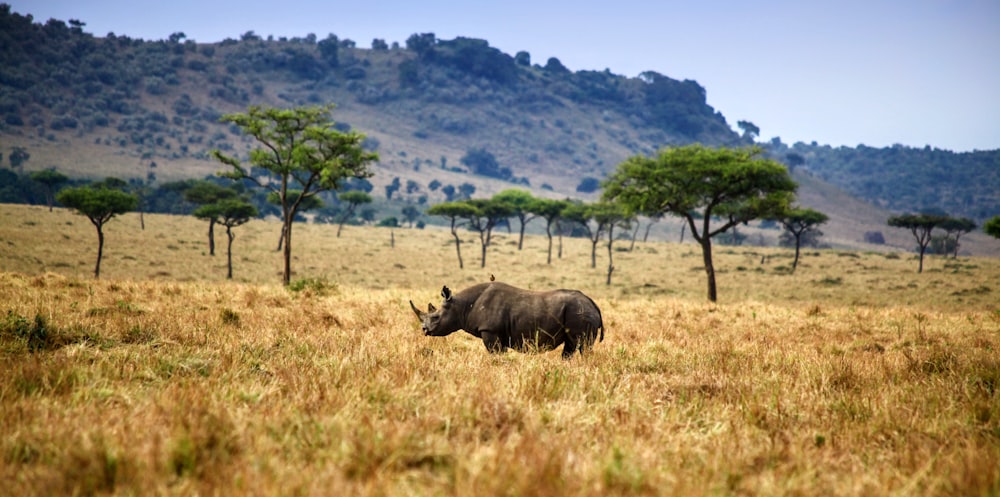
992 227
703 185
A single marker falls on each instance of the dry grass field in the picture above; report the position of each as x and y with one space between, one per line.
853 376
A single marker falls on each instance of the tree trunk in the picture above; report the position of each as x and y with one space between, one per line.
520 240
229 253
458 245
611 266
100 250
548 231
287 278
281 239
635 232
645 237
798 243
683 227
706 252
593 252
211 236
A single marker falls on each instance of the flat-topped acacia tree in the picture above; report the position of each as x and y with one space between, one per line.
229 212
703 185
798 222
458 213
51 180
303 152
921 225
100 204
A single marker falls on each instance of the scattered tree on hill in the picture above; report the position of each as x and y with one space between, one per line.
457 213
521 202
100 204
18 156
750 130
588 185
411 214
481 162
697 183
992 227
392 188
799 222
51 180
203 193
794 160
301 149
921 225
465 190
954 228
353 199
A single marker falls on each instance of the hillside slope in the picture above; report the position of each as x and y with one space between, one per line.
149 110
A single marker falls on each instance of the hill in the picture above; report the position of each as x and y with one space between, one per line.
149 110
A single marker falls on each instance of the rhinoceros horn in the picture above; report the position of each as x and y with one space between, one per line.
416 311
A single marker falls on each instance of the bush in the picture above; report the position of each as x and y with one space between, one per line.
588 185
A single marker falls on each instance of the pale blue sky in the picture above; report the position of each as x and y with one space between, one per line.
873 72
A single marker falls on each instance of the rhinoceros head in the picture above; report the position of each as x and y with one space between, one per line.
438 322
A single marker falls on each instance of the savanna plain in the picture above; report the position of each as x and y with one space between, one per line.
854 375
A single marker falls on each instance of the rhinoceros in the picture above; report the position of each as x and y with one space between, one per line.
505 317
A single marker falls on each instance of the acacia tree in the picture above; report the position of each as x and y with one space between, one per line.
100 204
521 202
992 226
458 213
487 215
609 215
921 225
955 227
234 212
203 193
301 149
51 180
353 199
703 186
604 216
549 210
798 222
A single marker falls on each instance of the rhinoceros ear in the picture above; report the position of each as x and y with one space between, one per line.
430 307
446 293
416 311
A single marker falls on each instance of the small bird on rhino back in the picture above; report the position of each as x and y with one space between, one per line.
505 317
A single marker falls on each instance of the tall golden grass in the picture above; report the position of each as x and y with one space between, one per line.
852 376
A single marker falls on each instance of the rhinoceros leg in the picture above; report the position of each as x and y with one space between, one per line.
570 348
492 342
